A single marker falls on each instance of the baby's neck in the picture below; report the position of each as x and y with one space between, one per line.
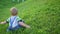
13 15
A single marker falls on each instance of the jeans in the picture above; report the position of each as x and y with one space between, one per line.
12 29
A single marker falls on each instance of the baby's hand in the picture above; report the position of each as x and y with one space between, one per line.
3 22
27 26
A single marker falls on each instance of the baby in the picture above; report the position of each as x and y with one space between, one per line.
14 21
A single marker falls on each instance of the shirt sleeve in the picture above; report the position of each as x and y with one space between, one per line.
8 20
19 19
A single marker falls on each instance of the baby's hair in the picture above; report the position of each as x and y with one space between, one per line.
14 11
14 8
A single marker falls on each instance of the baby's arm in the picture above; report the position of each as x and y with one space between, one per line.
3 22
24 25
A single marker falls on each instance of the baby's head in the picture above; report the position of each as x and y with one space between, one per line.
14 11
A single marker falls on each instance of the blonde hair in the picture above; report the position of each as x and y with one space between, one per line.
14 10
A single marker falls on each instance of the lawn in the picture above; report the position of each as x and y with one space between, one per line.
42 15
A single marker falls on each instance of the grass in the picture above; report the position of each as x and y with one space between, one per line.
42 15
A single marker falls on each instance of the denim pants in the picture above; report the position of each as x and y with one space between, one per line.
12 29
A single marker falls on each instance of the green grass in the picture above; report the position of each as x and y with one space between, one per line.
42 15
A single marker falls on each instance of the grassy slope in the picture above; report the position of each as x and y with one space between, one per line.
42 15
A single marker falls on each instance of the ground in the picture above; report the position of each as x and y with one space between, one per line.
42 15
